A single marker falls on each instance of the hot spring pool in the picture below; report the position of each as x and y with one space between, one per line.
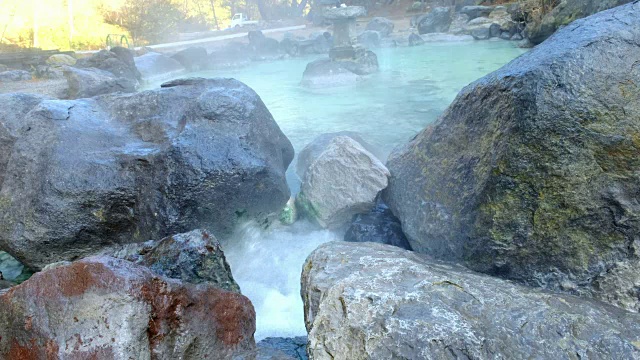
413 87
411 90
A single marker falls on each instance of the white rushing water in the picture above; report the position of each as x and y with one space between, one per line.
267 265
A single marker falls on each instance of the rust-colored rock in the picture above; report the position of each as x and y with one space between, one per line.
106 308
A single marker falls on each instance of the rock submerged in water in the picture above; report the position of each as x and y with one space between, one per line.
194 154
373 301
194 257
531 174
323 73
107 308
341 181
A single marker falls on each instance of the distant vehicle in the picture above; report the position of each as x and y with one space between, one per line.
240 20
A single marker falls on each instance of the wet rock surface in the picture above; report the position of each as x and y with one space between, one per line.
310 152
378 226
531 173
323 73
283 348
343 180
194 257
107 308
194 154
373 301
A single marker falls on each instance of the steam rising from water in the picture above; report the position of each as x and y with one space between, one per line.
267 265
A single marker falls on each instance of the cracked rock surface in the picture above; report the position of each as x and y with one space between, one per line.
374 301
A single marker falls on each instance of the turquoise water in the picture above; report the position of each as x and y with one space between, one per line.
413 87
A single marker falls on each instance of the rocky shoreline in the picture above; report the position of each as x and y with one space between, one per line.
507 229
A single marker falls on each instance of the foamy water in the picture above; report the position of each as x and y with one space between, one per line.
267 265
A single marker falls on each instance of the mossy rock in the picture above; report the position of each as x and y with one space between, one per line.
532 172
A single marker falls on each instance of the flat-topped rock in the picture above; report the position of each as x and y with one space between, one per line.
343 13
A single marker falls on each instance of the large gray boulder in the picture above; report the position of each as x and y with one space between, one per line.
382 25
313 149
106 308
89 82
193 59
86 174
563 14
194 257
155 66
437 21
343 180
118 61
531 173
326 72
372 301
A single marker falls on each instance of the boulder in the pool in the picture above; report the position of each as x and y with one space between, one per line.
437 21
106 308
232 54
374 301
341 181
415 40
194 257
481 33
14 75
382 25
193 58
379 226
563 14
326 72
156 67
370 39
118 61
531 173
86 174
89 82
323 73
263 48
312 150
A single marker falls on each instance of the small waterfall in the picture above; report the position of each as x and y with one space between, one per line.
267 264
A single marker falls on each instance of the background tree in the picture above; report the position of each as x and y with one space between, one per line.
146 20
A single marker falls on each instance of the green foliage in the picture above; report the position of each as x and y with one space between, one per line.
146 20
